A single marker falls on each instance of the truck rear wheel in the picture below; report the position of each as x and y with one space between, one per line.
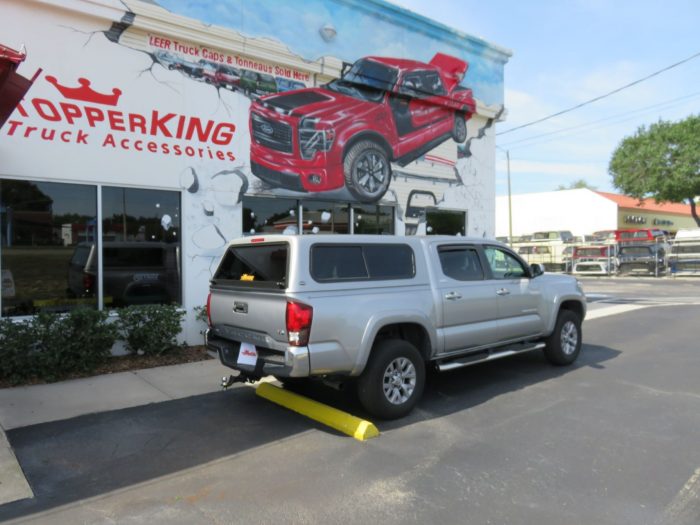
393 380
564 345
367 171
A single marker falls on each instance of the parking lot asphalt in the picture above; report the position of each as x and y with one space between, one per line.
610 440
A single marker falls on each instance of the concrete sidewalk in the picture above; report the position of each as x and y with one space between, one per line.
31 405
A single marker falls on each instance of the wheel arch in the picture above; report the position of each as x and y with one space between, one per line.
373 136
409 328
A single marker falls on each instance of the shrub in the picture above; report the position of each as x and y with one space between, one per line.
150 329
53 346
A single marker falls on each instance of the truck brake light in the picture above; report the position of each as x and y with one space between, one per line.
209 309
88 283
299 317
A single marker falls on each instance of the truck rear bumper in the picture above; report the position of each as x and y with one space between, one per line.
294 362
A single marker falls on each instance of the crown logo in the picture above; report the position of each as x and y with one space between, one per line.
85 93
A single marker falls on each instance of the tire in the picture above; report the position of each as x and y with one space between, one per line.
564 344
367 171
459 128
294 383
380 396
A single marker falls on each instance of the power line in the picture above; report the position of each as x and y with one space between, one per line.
577 106
665 104
579 132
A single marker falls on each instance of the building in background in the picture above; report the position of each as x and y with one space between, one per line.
584 211
158 132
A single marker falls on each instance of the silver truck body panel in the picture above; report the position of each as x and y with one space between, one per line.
456 316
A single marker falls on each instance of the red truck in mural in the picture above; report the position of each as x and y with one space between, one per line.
349 131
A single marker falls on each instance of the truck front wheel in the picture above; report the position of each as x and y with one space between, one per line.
564 345
459 128
393 380
367 171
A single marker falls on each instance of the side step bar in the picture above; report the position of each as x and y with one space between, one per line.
486 355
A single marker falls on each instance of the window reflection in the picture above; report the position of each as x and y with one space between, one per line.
325 217
269 215
377 220
43 226
140 246
445 222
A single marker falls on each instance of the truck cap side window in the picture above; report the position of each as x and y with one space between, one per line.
336 262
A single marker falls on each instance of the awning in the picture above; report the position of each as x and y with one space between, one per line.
13 86
9 55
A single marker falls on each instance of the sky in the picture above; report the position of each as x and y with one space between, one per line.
567 52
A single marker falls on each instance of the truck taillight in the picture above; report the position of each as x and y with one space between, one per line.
88 283
209 309
299 317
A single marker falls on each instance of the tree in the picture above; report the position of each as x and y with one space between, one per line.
576 185
661 162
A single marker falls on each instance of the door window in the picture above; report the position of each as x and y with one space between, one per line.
461 263
503 265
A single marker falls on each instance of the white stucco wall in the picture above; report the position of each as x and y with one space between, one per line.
580 211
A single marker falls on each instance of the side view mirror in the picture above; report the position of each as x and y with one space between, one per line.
537 269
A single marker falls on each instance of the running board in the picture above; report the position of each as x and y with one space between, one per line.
485 355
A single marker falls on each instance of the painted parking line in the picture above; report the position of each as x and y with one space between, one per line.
13 484
613 310
360 429
685 507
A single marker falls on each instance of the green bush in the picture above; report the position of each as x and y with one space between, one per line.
150 329
53 346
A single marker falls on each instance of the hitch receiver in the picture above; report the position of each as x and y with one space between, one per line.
242 377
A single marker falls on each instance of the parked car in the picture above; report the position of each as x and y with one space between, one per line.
228 77
209 70
284 84
7 288
642 258
594 260
629 235
349 131
166 59
133 272
257 84
193 69
376 311
685 252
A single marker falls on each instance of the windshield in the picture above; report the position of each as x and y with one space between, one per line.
366 80
635 250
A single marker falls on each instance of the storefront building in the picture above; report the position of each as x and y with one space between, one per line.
156 133
584 211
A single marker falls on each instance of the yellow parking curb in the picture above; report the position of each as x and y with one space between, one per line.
343 422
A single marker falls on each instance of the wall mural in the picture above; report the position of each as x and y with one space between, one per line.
392 125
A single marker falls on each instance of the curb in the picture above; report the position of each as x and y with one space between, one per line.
360 429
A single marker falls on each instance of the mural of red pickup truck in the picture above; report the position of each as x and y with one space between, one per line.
349 131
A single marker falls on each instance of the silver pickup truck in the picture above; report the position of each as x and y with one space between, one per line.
378 310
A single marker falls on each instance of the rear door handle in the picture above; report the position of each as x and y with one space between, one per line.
453 296
502 291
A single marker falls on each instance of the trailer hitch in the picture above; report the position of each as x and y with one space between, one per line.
242 377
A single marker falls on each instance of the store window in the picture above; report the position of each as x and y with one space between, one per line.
325 217
377 220
270 215
445 222
46 231
140 246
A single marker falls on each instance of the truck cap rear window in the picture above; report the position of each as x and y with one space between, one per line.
259 265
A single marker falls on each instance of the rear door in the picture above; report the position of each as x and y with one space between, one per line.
519 298
248 301
469 304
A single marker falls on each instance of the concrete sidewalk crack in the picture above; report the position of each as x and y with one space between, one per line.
142 378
